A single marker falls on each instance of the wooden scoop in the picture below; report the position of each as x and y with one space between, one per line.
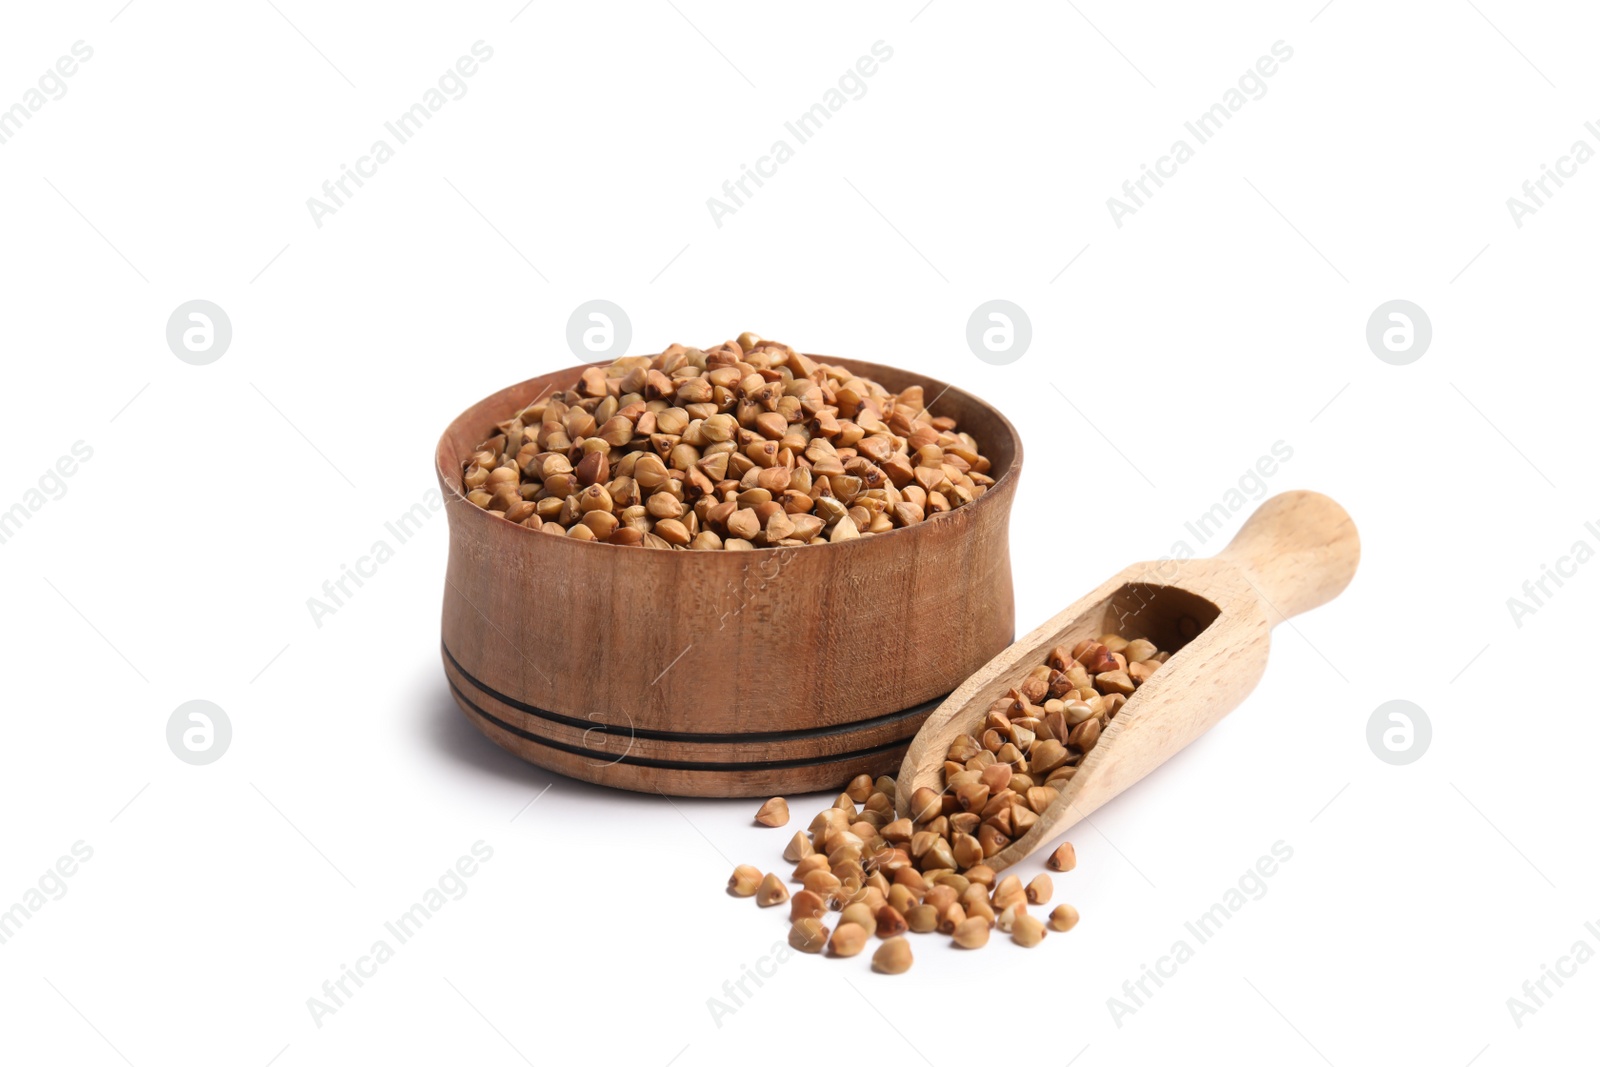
1298 551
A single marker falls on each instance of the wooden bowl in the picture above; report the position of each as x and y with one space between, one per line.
722 674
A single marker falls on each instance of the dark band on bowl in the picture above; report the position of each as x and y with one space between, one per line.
669 764
588 725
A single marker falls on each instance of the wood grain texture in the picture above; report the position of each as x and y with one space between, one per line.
1298 551
728 644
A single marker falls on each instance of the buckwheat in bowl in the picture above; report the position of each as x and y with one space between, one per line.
728 571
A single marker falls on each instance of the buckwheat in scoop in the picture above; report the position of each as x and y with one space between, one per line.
886 875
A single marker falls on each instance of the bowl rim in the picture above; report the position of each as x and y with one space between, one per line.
451 481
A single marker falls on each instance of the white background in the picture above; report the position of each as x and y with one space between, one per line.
1228 314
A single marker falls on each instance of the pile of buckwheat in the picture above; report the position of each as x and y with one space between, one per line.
886 875
746 445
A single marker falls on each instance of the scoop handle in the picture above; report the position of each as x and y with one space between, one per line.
1299 550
